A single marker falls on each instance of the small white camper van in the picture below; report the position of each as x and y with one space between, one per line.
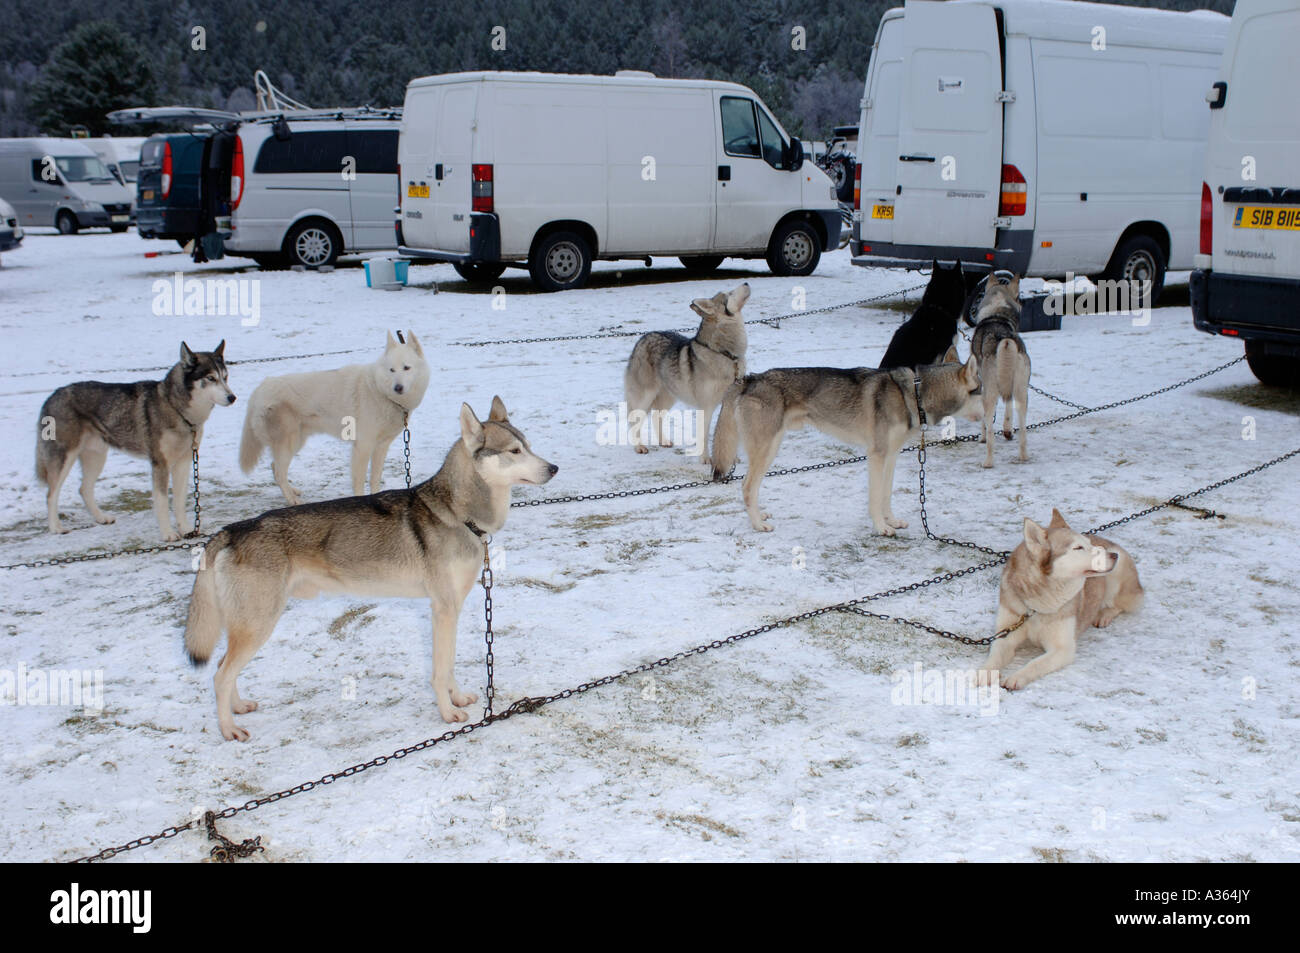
550 172
1247 279
1038 136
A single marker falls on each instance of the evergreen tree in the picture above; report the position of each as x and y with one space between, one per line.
94 71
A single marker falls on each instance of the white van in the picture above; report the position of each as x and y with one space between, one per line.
120 153
61 183
1247 282
1037 136
550 172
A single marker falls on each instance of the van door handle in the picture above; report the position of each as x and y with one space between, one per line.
916 158
437 171
724 173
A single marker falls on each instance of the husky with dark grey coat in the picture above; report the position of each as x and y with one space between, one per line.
159 420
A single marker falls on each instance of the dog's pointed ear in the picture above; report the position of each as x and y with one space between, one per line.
471 430
220 349
498 412
1013 286
1035 537
703 307
414 342
187 356
959 268
1058 521
971 372
950 356
390 343
934 264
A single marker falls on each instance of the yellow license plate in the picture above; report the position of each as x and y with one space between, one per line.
1263 216
882 211
414 191
147 196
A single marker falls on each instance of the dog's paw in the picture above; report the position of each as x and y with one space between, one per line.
453 715
895 522
243 706
103 519
641 448
1015 682
1006 435
762 526
666 443
233 732
461 699
987 464
170 537
886 530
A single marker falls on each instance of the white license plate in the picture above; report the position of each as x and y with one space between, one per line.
121 218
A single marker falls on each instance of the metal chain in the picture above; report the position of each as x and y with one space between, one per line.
771 322
531 704
1059 400
198 508
227 851
406 445
485 580
925 521
149 370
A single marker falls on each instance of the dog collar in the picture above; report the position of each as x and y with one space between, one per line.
469 525
916 389
718 350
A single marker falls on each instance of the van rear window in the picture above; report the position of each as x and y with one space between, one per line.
304 152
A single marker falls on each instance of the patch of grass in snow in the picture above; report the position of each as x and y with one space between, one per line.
535 583
914 740
1152 735
355 614
600 521
129 501
706 827
1254 740
1052 855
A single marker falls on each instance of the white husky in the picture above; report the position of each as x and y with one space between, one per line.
365 404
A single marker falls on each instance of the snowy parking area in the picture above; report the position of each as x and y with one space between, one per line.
1172 737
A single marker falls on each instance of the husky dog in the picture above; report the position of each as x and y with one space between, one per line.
866 407
364 403
159 420
1004 362
425 542
925 337
1064 582
666 367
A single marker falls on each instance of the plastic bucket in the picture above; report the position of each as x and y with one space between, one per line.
380 273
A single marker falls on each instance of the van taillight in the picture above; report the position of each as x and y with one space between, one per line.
237 174
167 169
1207 220
857 187
1015 192
481 193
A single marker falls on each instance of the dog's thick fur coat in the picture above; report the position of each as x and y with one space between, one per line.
1004 363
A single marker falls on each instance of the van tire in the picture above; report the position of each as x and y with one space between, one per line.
701 264
1141 257
561 261
479 272
313 243
1276 370
66 223
794 250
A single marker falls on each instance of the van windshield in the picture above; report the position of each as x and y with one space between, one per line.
83 169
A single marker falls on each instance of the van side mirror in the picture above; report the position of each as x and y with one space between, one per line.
794 160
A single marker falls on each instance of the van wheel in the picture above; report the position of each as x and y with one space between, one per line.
479 272
1276 370
1139 258
313 243
701 264
795 250
560 261
66 223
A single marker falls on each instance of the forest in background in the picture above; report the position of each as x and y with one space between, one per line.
69 63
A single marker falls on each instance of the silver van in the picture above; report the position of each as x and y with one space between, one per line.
61 183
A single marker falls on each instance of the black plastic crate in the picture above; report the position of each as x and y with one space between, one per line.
1034 316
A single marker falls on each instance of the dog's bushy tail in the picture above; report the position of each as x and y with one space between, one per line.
1004 366
726 435
250 448
205 622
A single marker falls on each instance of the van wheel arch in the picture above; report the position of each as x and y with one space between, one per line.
583 235
290 252
66 222
1141 240
777 258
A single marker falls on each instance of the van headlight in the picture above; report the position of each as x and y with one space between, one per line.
91 207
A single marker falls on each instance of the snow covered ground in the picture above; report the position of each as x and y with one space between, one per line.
1172 737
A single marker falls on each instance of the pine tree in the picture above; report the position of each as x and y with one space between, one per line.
94 71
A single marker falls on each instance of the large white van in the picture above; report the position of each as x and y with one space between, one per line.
1038 136
61 182
552 171
1247 282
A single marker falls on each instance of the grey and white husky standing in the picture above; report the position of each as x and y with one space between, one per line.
666 367
869 408
1003 360
422 542
161 421
364 403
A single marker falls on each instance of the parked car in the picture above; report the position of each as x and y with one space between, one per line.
1247 279
551 172
61 183
1038 136
283 187
11 233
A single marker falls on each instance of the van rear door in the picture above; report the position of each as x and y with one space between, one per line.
878 137
950 126
451 186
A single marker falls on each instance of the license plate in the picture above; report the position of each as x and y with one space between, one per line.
121 218
147 195
882 211
1262 216
414 191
